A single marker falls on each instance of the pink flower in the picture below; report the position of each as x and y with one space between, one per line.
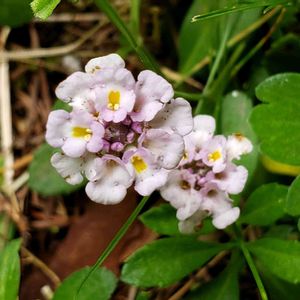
120 132
201 185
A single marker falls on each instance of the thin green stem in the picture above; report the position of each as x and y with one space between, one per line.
111 246
250 262
254 271
220 54
135 18
114 17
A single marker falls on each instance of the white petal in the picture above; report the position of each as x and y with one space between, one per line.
109 61
176 116
168 149
111 187
238 145
69 168
225 219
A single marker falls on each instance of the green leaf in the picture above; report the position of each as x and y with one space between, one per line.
277 288
10 270
238 7
43 178
14 13
58 104
283 231
265 205
100 286
162 219
293 198
280 257
236 109
224 287
43 8
167 260
277 121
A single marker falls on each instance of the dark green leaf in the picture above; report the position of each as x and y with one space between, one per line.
100 285
265 205
280 231
14 13
10 270
280 257
241 6
43 178
236 109
224 287
166 261
277 121
43 8
277 288
293 198
58 104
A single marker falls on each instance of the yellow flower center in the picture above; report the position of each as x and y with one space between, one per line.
81 132
138 164
113 100
212 157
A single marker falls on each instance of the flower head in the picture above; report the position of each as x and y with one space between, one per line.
206 176
120 131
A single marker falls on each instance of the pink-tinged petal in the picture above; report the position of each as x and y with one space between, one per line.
69 168
93 167
152 92
184 198
204 127
176 116
57 127
167 149
117 116
149 176
219 205
238 145
109 61
81 118
213 153
232 180
95 144
77 90
228 217
113 182
74 147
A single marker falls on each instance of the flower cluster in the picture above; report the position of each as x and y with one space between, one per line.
120 131
201 185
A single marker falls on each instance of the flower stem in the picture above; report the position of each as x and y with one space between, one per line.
111 246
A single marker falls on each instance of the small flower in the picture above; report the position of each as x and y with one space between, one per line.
206 176
120 132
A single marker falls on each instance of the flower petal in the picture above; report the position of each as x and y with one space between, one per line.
176 116
238 145
152 91
74 147
167 148
109 61
114 179
69 168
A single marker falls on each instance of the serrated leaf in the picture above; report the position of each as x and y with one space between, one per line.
14 13
100 285
280 257
162 219
240 6
10 270
224 287
166 261
43 178
43 8
236 109
293 198
265 205
277 121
